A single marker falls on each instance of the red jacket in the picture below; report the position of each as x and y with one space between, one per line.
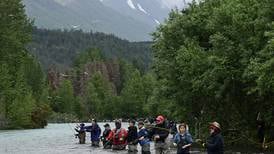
118 137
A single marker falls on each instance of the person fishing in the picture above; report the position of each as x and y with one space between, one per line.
95 132
173 128
106 143
215 142
143 137
118 136
260 128
132 138
183 140
81 133
159 134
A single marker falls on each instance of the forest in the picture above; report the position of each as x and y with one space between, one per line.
59 48
212 61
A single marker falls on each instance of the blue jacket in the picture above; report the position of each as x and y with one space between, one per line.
143 132
95 132
186 137
181 140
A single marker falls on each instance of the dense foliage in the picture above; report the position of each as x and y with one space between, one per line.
22 96
102 88
214 61
57 47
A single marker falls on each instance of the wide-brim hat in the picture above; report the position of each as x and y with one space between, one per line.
215 125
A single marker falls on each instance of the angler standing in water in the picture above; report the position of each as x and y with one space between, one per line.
132 138
81 133
106 144
143 138
95 132
183 140
173 128
118 136
159 134
215 142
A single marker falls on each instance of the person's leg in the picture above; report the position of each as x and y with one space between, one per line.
158 149
165 148
82 138
95 143
132 149
118 147
146 149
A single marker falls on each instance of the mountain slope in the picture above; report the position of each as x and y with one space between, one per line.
129 19
60 48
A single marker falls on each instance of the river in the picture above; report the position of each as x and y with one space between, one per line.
54 139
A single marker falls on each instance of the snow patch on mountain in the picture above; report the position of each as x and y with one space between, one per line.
141 8
175 3
157 21
131 5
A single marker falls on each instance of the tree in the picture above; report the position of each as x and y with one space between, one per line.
66 100
98 97
209 58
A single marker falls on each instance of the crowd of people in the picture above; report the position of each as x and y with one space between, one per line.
158 131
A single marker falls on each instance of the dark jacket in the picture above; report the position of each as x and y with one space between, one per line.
106 133
95 132
81 129
132 137
215 144
161 130
106 143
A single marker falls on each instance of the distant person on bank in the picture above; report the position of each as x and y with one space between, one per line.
215 142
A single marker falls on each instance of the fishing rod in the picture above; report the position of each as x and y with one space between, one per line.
153 126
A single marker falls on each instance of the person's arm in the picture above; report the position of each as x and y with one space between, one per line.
189 140
176 138
88 128
163 135
151 133
110 135
76 130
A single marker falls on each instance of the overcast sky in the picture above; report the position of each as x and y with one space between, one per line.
165 3
173 3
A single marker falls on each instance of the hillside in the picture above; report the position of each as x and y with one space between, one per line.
60 48
129 19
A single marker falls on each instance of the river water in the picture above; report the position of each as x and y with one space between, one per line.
54 139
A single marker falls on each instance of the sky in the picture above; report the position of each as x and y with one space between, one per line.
173 3
165 3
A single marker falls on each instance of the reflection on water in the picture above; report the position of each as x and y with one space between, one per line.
54 139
